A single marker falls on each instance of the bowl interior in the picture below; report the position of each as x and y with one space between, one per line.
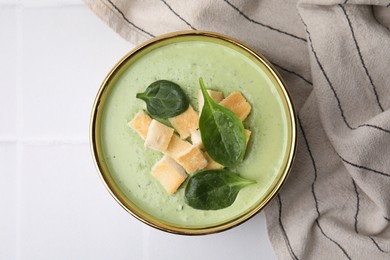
225 65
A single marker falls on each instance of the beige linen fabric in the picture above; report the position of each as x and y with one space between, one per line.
335 57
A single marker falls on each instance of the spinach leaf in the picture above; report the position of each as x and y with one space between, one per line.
214 189
164 99
222 132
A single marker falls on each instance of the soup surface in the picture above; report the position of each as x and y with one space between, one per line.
223 67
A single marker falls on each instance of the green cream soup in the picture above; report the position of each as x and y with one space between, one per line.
223 67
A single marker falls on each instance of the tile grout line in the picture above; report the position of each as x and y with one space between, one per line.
19 128
44 141
145 242
51 4
38 4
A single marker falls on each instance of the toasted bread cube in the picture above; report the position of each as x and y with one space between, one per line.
158 136
140 123
247 135
196 139
238 104
211 164
177 146
184 122
192 159
169 173
217 96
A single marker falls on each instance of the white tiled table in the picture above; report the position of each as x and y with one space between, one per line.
53 56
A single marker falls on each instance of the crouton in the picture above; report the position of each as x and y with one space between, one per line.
217 96
238 104
247 135
196 139
170 174
158 136
192 160
184 122
211 164
177 146
140 123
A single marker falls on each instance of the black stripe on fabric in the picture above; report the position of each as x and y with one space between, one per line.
127 20
376 127
357 213
346 1
292 72
314 166
361 59
364 167
388 219
262 24
357 205
327 78
334 90
178 15
342 249
388 5
290 250
377 246
313 191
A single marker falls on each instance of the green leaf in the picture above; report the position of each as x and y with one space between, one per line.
164 99
214 189
222 132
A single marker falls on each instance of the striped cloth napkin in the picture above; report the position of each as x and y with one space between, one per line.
335 57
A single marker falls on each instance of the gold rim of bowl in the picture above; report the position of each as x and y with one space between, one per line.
128 205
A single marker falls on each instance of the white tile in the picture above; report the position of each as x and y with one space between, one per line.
247 241
10 2
8 68
67 212
67 52
8 201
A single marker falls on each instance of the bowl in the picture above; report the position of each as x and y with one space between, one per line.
225 64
